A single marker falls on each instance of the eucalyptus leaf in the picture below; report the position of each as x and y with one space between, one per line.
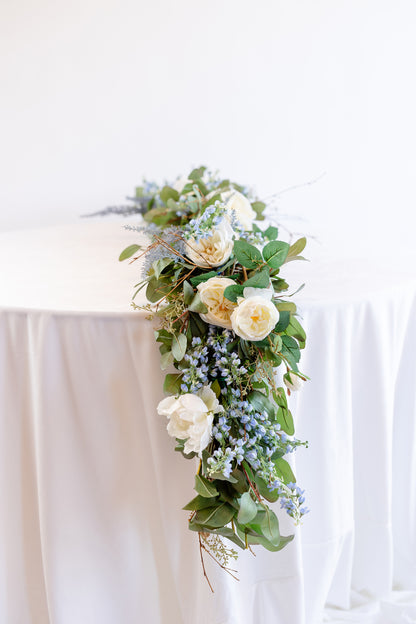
258 280
284 470
128 252
179 344
196 305
269 495
198 279
297 247
270 527
285 419
271 232
172 383
247 255
215 517
167 359
204 487
233 292
261 403
275 253
199 502
168 192
283 322
248 508
188 292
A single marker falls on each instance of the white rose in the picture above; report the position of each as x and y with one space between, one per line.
292 381
238 203
254 318
219 308
190 417
214 250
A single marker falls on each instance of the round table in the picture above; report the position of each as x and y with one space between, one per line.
91 527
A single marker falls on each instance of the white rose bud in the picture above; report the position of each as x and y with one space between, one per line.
292 381
190 417
238 203
254 318
214 250
219 308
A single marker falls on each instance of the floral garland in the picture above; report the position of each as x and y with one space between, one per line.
212 279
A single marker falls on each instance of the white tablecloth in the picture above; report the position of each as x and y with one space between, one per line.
91 527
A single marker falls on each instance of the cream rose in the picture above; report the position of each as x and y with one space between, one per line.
238 203
219 308
292 381
254 318
214 250
190 417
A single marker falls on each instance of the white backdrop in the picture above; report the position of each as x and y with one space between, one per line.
97 93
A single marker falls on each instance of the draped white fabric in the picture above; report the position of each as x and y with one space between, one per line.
91 527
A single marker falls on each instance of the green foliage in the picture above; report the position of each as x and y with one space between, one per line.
232 502
128 252
247 255
275 253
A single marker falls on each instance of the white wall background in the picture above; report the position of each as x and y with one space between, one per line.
97 93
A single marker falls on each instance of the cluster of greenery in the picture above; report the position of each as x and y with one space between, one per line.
242 469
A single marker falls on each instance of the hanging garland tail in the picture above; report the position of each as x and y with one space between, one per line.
212 279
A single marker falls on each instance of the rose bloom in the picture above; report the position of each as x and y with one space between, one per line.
237 202
214 250
293 382
190 417
254 318
219 308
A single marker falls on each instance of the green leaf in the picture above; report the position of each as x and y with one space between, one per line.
288 306
204 487
215 517
279 284
297 248
284 471
168 193
215 387
179 344
248 509
200 502
128 252
291 346
157 289
196 173
296 330
196 305
197 325
285 419
247 255
270 527
159 215
166 360
198 279
258 280
159 265
275 253
261 403
271 232
188 292
269 495
229 534
283 322
172 383
258 208
233 292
